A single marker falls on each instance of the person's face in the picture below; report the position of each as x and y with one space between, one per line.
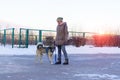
59 22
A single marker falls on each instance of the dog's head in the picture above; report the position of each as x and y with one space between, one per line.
39 45
49 41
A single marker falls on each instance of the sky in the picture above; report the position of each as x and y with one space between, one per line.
80 15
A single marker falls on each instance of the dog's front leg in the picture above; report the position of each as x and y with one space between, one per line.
50 57
37 55
41 58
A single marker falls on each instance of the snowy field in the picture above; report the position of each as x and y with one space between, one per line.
86 63
70 49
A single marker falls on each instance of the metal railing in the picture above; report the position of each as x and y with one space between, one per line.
25 36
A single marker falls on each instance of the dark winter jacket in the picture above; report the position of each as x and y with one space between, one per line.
62 34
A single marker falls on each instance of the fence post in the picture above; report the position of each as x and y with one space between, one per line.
4 38
40 35
20 38
13 37
84 35
36 41
27 38
0 37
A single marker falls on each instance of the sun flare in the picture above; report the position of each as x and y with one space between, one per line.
101 32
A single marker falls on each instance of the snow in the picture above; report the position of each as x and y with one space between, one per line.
88 49
93 50
7 50
86 67
98 76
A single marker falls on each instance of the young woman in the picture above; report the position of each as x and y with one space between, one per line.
61 39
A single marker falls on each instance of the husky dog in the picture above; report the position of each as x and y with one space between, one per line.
41 50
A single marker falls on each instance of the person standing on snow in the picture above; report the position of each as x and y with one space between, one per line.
61 40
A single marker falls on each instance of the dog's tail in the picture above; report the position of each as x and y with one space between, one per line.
39 46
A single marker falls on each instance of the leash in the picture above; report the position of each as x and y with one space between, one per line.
55 58
55 55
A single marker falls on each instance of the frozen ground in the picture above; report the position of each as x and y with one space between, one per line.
81 67
86 63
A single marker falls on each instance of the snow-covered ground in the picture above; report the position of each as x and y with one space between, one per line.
98 76
81 67
20 65
70 49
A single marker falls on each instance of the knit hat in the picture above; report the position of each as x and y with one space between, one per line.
59 19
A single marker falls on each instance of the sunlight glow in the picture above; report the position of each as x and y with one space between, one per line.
101 32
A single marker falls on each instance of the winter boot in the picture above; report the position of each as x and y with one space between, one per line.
66 62
58 62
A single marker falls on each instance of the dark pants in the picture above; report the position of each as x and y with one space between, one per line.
64 52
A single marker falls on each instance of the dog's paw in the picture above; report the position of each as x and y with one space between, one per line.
51 62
